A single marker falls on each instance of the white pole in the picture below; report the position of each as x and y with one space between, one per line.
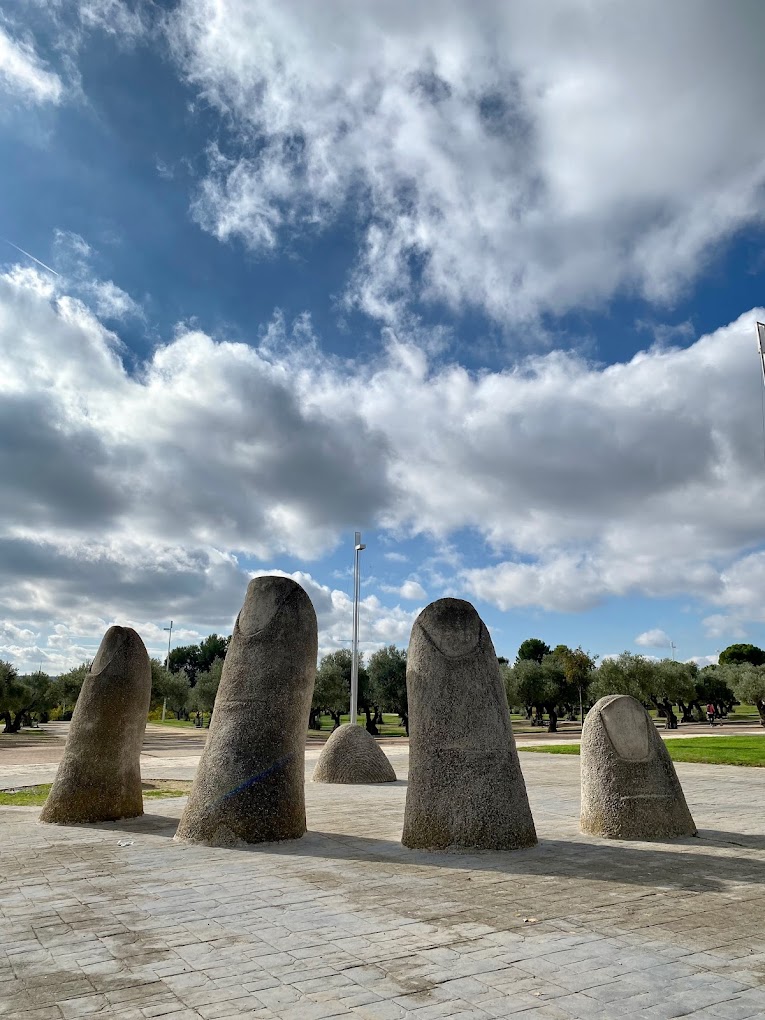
169 639
761 346
357 547
167 664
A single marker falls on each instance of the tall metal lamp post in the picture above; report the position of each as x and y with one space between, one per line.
167 663
357 548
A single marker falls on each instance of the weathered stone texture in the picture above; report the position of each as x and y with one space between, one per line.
352 755
99 778
630 789
249 785
466 789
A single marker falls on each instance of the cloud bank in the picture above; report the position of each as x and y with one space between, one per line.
141 490
513 158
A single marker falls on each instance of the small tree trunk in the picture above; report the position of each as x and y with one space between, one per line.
6 717
552 720
659 708
671 717
371 728
701 715
18 719
686 710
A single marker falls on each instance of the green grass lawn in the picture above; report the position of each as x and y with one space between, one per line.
744 750
25 731
35 796
389 728
183 724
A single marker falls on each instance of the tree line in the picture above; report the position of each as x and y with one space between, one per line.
562 681
189 685
558 682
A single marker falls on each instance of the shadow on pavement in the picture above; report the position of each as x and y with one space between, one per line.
747 840
145 825
681 864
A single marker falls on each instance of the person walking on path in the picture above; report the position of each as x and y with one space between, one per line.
711 713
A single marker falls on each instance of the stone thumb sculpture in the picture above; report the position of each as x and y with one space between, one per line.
630 789
249 786
466 789
99 778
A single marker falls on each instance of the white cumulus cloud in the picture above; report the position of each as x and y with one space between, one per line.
23 73
412 590
511 157
655 638
155 481
378 624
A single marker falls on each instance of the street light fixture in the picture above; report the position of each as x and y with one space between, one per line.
167 664
357 548
169 639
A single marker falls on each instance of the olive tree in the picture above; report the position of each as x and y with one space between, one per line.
203 694
748 683
539 686
331 693
673 683
387 681
627 673
21 697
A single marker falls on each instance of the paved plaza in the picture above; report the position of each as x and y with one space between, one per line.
118 920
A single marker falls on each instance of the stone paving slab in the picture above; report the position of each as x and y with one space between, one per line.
117 920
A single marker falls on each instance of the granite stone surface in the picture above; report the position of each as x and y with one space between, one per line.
352 755
465 788
99 778
630 788
249 786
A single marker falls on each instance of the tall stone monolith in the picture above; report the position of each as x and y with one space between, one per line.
630 789
352 755
99 778
466 789
249 784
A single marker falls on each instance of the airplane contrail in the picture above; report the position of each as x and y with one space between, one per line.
39 263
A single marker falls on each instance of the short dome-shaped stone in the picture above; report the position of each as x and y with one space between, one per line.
352 755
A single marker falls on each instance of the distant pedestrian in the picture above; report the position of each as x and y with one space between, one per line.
711 713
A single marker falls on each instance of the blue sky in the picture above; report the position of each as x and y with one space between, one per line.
479 283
